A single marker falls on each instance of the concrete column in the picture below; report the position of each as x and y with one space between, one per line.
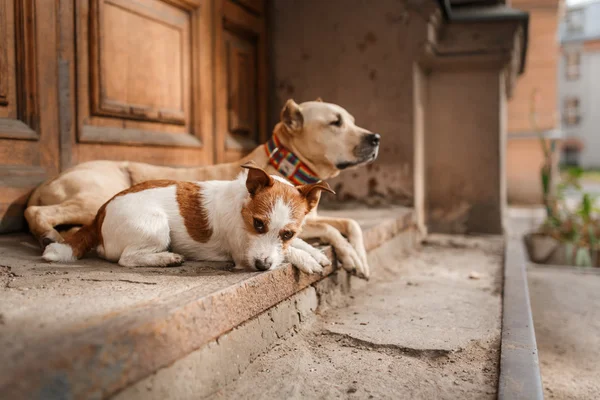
463 151
419 108
468 69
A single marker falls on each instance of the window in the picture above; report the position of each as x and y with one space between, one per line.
571 111
571 151
573 62
575 21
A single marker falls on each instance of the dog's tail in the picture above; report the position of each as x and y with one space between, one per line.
75 246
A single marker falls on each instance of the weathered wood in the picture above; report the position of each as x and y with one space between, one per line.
240 79
147 79
28 113
127 80
99 134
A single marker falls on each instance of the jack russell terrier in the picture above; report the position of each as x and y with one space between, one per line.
253 220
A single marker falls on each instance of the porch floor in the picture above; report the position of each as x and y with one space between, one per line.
53 315
422 328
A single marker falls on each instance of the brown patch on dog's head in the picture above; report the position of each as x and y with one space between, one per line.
257 178
312 193
273 215
191 208
265 192
276 204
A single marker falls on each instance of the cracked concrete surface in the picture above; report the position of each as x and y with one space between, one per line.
566 314
565 303
426 326
38 299
54 318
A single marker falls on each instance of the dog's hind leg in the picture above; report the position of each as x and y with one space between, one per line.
139 240
43 219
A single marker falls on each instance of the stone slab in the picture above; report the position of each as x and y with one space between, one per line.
520 372
427 326
566 314
433 301
89 329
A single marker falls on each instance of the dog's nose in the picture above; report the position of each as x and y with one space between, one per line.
374 139
262 264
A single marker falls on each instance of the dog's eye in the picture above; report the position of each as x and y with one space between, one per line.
259 226
337 122
286 235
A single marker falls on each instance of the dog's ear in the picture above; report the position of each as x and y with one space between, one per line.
320 100
257 178
312 193
291 116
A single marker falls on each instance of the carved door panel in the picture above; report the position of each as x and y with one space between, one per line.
168 82
28 107
144 81
240 77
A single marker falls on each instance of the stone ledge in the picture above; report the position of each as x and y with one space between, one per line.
520 376
95 358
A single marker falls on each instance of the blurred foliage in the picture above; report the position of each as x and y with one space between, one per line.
576 225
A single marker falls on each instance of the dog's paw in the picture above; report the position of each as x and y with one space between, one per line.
169 260
309 266
321 258
352 262
304 261
176 260
58 252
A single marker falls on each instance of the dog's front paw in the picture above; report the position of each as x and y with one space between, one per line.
321 258
352 262
304 261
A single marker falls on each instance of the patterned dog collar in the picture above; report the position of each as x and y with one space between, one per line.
288 164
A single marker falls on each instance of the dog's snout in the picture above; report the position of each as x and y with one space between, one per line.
262 264
374 139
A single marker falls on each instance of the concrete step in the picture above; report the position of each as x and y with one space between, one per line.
421 328
92 329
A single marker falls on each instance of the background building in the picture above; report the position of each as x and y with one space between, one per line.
537 88
579 83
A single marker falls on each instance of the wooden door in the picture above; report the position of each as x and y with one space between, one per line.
28 104
168 82
240 76
141 75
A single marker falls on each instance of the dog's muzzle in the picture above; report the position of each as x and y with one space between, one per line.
262 265
373 139
365 152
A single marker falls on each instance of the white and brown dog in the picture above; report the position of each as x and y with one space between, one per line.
313 141
252 220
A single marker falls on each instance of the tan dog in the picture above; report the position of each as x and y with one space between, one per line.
313 140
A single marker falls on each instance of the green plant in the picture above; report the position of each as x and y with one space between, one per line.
576 226
549 150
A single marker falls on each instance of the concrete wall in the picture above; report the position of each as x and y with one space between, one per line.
524 153
464 178
525 158
541 70
359 54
